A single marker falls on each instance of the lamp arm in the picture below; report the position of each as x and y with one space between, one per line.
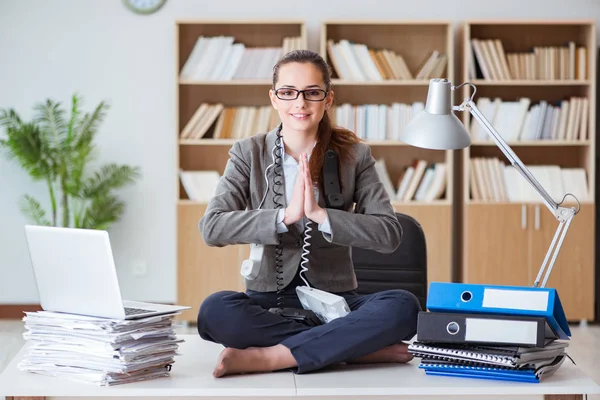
512 157
563 214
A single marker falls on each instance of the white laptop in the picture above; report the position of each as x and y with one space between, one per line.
75 273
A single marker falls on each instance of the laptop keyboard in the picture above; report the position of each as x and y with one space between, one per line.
134 311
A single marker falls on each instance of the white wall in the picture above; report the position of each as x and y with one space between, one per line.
52 48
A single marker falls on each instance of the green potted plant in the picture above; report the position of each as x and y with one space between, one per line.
57 151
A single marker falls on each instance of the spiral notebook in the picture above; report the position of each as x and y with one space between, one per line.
482 371
494 356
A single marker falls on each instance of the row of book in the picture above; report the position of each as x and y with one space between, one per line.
514 120
491 180
229 122
489 61
99 351
357 62
419 181
369 121
218 58
498 335
375 121
518 120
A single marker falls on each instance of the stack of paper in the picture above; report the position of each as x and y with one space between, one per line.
509 363
98 350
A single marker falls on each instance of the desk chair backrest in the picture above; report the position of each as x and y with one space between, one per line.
405 268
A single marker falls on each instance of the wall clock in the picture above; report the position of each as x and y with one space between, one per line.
144 6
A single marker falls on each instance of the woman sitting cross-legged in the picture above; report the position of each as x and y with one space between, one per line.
270 193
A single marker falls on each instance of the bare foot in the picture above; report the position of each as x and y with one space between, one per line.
255 359
396 353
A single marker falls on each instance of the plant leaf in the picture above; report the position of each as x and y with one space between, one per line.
87 127
102 212
34 211
26 143
51 120
75 103
110 176
84 131
10 119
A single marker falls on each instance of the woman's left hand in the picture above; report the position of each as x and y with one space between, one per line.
312 210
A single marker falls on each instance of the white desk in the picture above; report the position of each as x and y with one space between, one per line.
191 376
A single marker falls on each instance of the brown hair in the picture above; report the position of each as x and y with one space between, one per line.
335 138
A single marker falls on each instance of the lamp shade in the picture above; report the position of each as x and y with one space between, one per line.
437 127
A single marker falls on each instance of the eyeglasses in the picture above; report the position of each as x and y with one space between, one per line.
309 94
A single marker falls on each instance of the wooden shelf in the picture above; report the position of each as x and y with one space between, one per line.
229 142
188 202
484 230
202 269
389 82
517 82
414 41
442 202
385 143
234 82
538 143
501 203
434 203
504 243
207 142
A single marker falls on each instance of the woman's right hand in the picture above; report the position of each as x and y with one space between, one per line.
295 210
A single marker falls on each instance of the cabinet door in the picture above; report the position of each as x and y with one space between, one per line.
496 246
202 270
573 272
436 221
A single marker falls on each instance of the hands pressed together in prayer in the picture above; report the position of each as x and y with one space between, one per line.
303 198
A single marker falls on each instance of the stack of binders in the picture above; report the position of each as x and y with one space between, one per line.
491 332
99 351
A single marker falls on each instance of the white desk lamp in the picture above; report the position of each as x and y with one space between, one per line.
438 128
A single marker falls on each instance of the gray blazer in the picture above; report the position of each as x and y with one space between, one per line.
232 218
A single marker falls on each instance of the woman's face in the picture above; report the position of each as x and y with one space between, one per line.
304 113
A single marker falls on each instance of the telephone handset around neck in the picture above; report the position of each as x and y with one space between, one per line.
251 267
331 181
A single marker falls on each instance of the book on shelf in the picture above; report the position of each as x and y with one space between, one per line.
488 60
199 186
491 180
384 177
419 181
357 62
203 118
433 66
419 167
229 122
375 121
567 120
219 58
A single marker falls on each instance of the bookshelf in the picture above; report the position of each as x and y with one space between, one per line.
202 270
503 241
414 41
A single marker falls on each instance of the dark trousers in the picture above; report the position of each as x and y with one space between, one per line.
241 320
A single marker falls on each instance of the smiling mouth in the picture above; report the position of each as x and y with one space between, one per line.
300 115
